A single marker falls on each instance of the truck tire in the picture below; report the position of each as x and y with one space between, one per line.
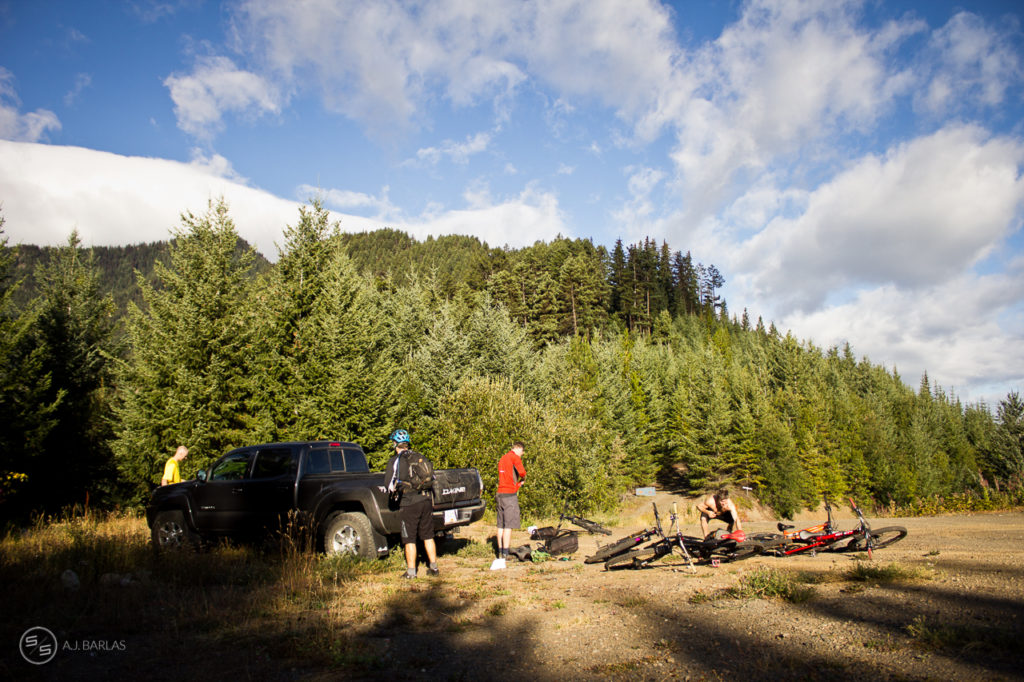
170 532
349 533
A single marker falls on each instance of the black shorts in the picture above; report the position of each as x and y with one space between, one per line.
417 520
725 516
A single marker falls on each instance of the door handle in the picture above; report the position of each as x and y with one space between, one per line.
238 490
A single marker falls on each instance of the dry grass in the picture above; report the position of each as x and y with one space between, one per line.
281 598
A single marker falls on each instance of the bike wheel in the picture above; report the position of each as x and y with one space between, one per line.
745 550
769 541
883 537
608 551
632 559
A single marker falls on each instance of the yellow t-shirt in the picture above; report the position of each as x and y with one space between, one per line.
171 471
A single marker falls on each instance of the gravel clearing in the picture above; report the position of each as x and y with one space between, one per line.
953 612
946 603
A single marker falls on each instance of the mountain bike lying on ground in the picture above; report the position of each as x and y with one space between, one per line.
788 534
717 546
592 527
827 537
625 544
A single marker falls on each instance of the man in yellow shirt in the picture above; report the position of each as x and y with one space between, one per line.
172 474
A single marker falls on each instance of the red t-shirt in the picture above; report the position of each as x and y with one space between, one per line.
509 465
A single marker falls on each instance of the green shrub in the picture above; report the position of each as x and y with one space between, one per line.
769 583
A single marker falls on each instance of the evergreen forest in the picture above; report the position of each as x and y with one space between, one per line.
618 369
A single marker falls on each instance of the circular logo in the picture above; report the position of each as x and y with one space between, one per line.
38 645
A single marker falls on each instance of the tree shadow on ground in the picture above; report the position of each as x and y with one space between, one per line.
428 631
983 633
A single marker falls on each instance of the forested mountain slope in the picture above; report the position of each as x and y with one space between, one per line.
618 369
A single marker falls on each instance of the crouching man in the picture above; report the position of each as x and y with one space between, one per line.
719 506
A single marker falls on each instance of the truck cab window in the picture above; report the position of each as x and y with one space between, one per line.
274 462
318 462
355 461
232 467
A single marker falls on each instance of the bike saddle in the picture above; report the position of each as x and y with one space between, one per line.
804 535
783 527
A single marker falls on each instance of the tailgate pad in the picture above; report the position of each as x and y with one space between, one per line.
452 486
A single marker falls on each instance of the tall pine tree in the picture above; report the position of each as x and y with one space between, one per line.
186 380
74 332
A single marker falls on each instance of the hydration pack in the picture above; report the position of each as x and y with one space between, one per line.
421 472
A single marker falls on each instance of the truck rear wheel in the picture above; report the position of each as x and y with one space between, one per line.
349 533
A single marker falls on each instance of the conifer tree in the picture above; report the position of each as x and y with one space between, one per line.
783 477
319 336
687 286
581 287
712 424
744 456
345 374
26 410
75 335
1007 454
186 380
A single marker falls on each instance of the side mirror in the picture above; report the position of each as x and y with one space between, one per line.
201 475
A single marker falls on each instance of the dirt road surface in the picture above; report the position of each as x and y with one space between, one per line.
956 615
946 603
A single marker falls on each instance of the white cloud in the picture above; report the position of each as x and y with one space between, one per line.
967 333
380 62
14 125
973 63
152 11
216 86
215 165
82 82
347 200
775 83
929 210
902 255
112 199
458 152
515 221
635 214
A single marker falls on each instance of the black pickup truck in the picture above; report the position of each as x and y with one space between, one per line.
251 491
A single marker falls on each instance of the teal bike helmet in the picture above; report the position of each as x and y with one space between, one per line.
400 436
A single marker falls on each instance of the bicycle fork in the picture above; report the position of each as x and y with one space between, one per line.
679 540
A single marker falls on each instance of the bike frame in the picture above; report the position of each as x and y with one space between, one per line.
808 540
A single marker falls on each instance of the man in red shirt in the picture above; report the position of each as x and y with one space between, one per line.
511 474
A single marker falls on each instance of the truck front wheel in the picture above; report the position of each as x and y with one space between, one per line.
349 533
171 532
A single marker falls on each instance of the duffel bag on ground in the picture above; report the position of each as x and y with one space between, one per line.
565 542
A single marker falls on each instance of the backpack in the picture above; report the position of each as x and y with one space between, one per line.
545 533
421 472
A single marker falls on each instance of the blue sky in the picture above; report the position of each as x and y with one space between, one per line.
854 168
